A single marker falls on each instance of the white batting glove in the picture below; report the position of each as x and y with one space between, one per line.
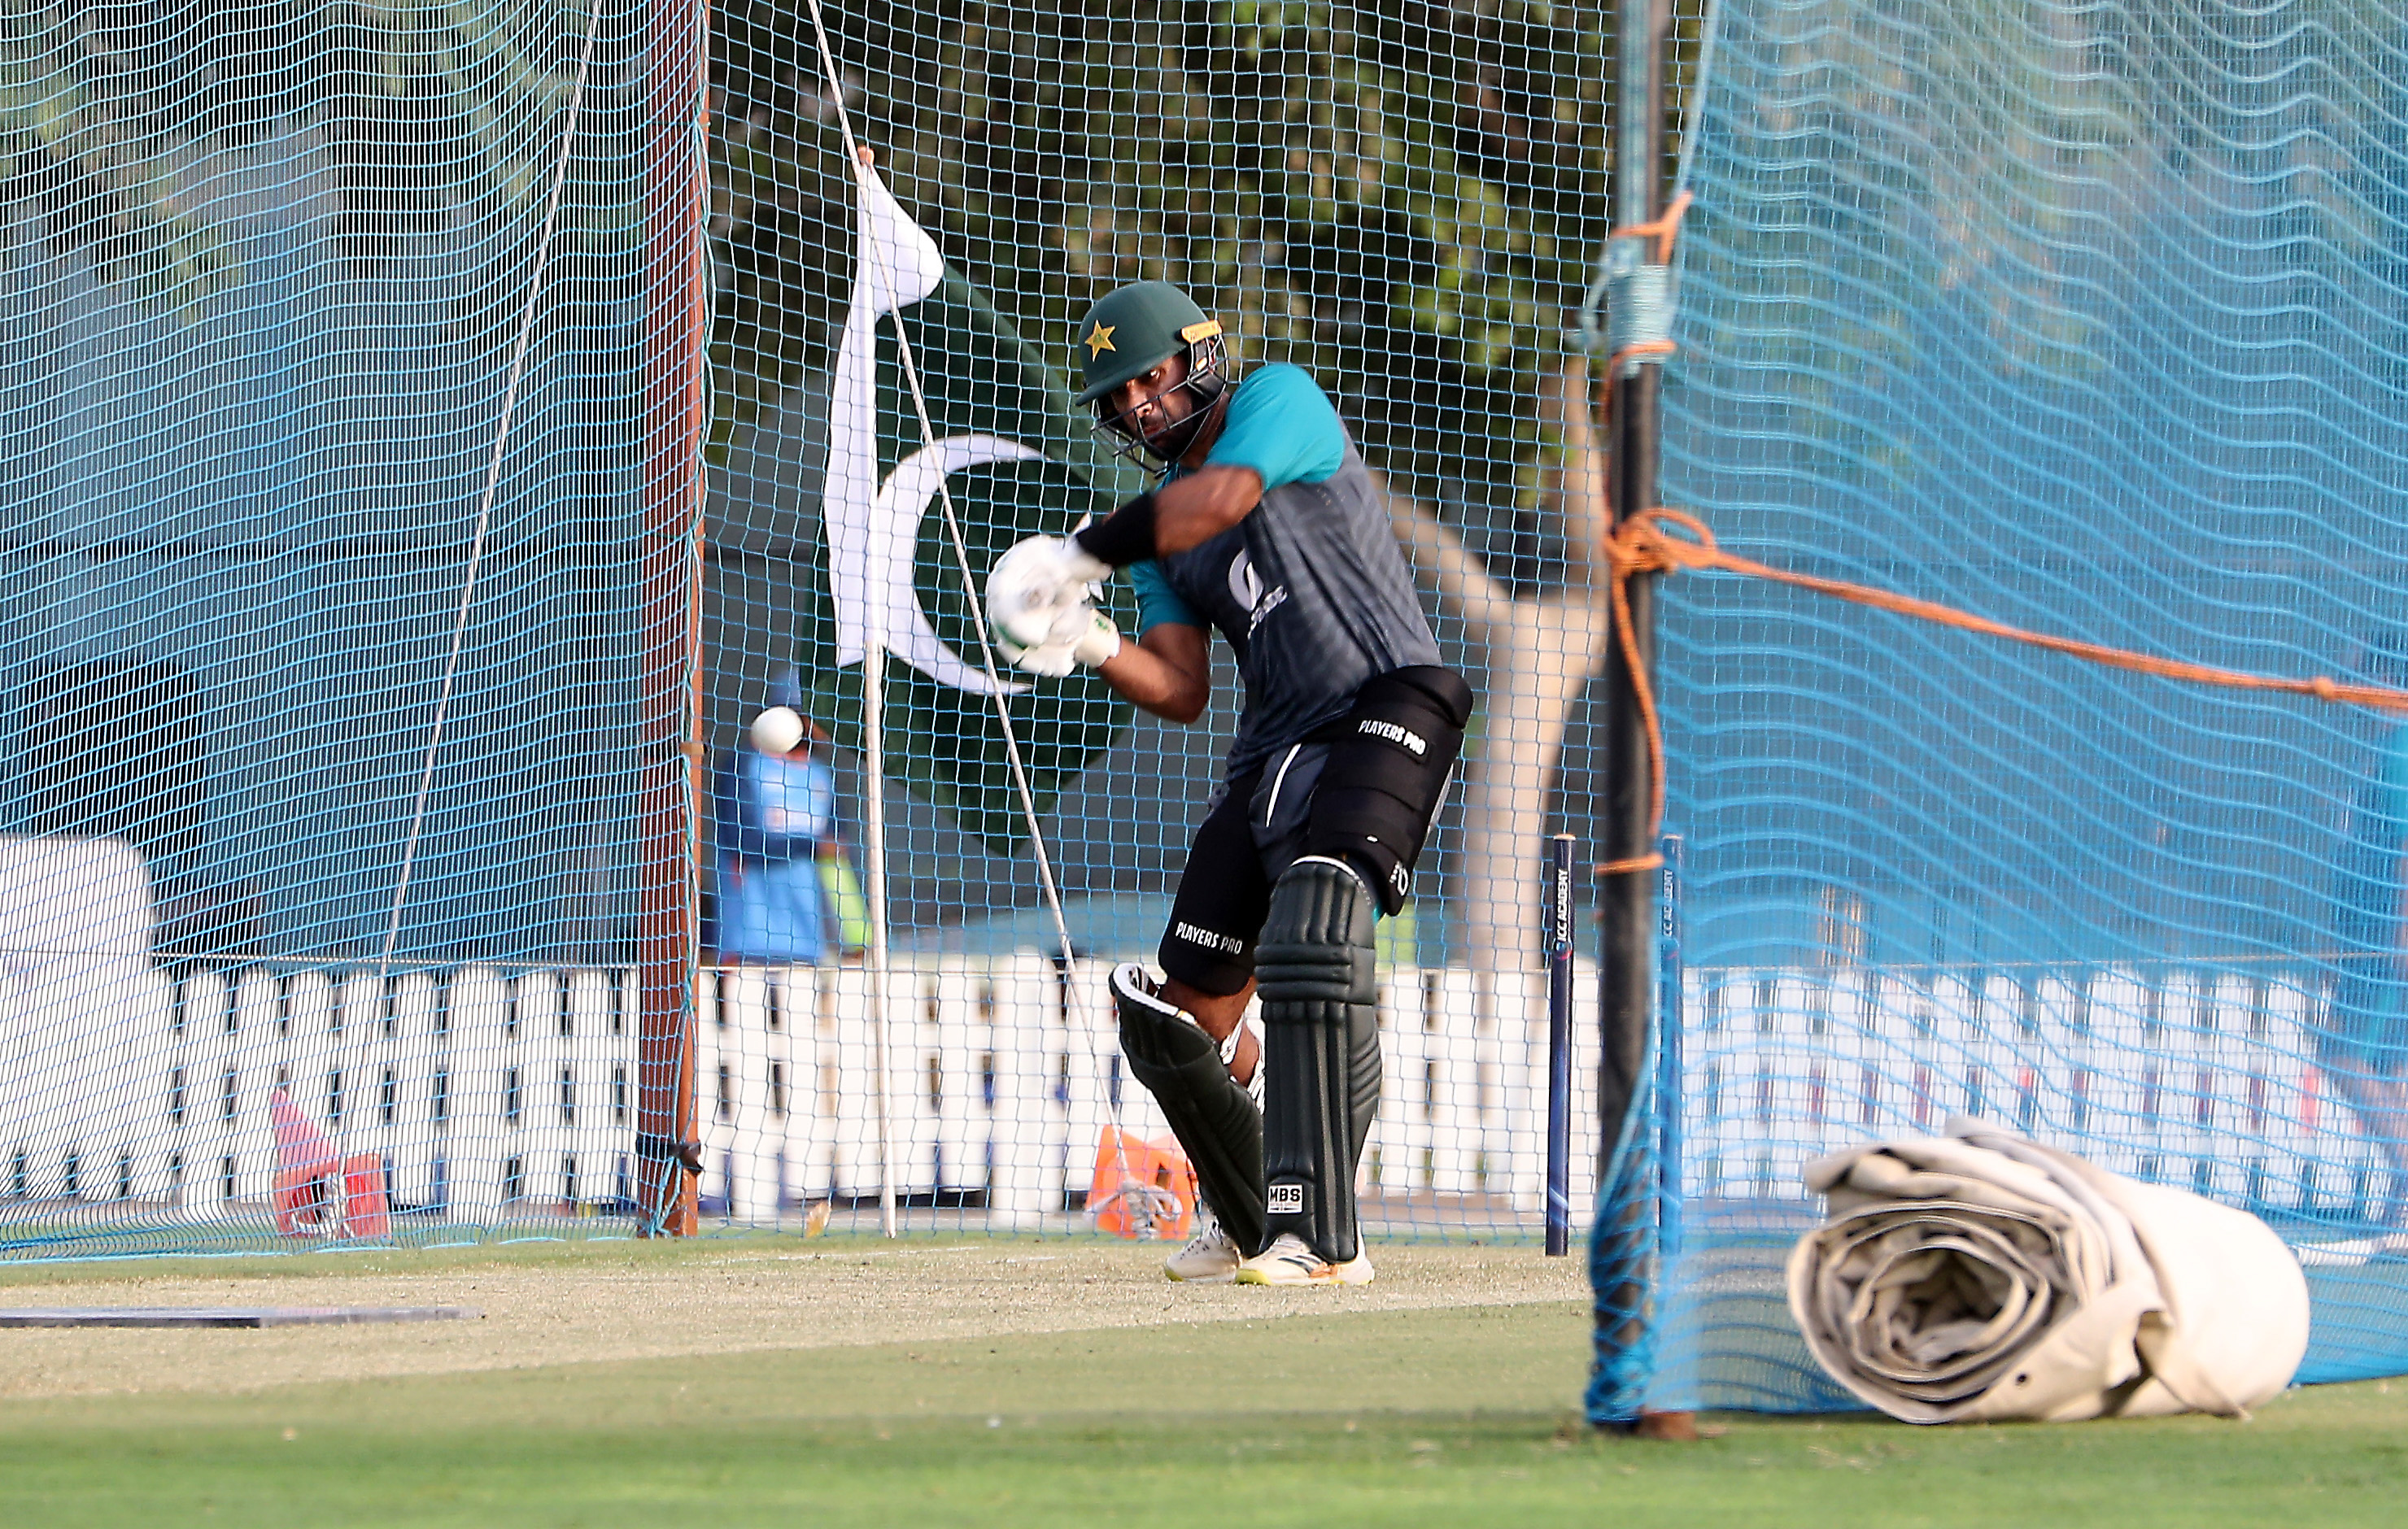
1086 636
1100 641
1040 591
1046 659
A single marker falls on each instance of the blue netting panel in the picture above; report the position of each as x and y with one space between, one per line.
1406 205
2086 318
273 275
266 268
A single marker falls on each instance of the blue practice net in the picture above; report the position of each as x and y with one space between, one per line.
341 487
2086 319
388 853
430 436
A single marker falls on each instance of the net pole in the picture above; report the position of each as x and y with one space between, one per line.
1626 896
669 573
1670 1004
1559 945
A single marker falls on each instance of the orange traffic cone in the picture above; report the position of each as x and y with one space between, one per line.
1142 1188
310 1174
304 1161
366 1212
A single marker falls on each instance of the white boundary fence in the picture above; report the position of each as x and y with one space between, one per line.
491 1096
2201 1080
1003 1070
129 1094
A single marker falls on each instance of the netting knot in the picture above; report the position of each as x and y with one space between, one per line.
1637 295
1640 546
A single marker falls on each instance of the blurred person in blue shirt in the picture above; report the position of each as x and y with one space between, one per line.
774 812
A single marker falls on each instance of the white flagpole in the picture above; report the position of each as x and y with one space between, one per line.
873 802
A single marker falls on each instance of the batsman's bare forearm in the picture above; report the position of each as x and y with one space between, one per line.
1192 510
1168 671
1180 515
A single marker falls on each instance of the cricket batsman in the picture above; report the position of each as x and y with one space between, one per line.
1264 525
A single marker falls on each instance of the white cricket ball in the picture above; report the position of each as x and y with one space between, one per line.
776 731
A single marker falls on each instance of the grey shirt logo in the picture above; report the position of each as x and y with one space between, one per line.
1323 556
1247 585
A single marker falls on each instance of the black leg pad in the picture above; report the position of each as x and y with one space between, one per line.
1363 1075
1212 1116
1321 1044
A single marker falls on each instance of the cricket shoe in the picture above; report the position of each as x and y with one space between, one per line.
1209 1258
1291 1261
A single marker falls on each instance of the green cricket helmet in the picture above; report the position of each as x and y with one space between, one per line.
1129 333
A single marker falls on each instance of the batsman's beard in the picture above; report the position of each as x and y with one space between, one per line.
1171 441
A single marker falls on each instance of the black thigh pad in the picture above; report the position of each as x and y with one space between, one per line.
1387 773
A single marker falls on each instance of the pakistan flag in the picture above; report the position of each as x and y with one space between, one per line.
1019 460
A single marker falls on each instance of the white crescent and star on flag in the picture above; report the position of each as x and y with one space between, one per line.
873 528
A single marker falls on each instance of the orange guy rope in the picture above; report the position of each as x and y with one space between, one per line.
1663 228
1640 546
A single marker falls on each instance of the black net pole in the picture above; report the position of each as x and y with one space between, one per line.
1624 1257
1628 899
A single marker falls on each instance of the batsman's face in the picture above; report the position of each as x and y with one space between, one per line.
1155 402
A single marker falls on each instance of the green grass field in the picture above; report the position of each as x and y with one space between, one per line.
1444 1416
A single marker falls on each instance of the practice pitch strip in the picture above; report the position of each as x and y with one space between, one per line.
633 1301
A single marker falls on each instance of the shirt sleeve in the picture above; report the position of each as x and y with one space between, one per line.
817 814
1157 603
1282 426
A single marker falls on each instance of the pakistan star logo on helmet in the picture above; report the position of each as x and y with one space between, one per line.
1130 333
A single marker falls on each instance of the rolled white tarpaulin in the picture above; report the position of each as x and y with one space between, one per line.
1978 1276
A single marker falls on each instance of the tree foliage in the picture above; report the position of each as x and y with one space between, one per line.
1404 198
425 114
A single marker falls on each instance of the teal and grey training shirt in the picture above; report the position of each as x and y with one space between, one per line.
1310 589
